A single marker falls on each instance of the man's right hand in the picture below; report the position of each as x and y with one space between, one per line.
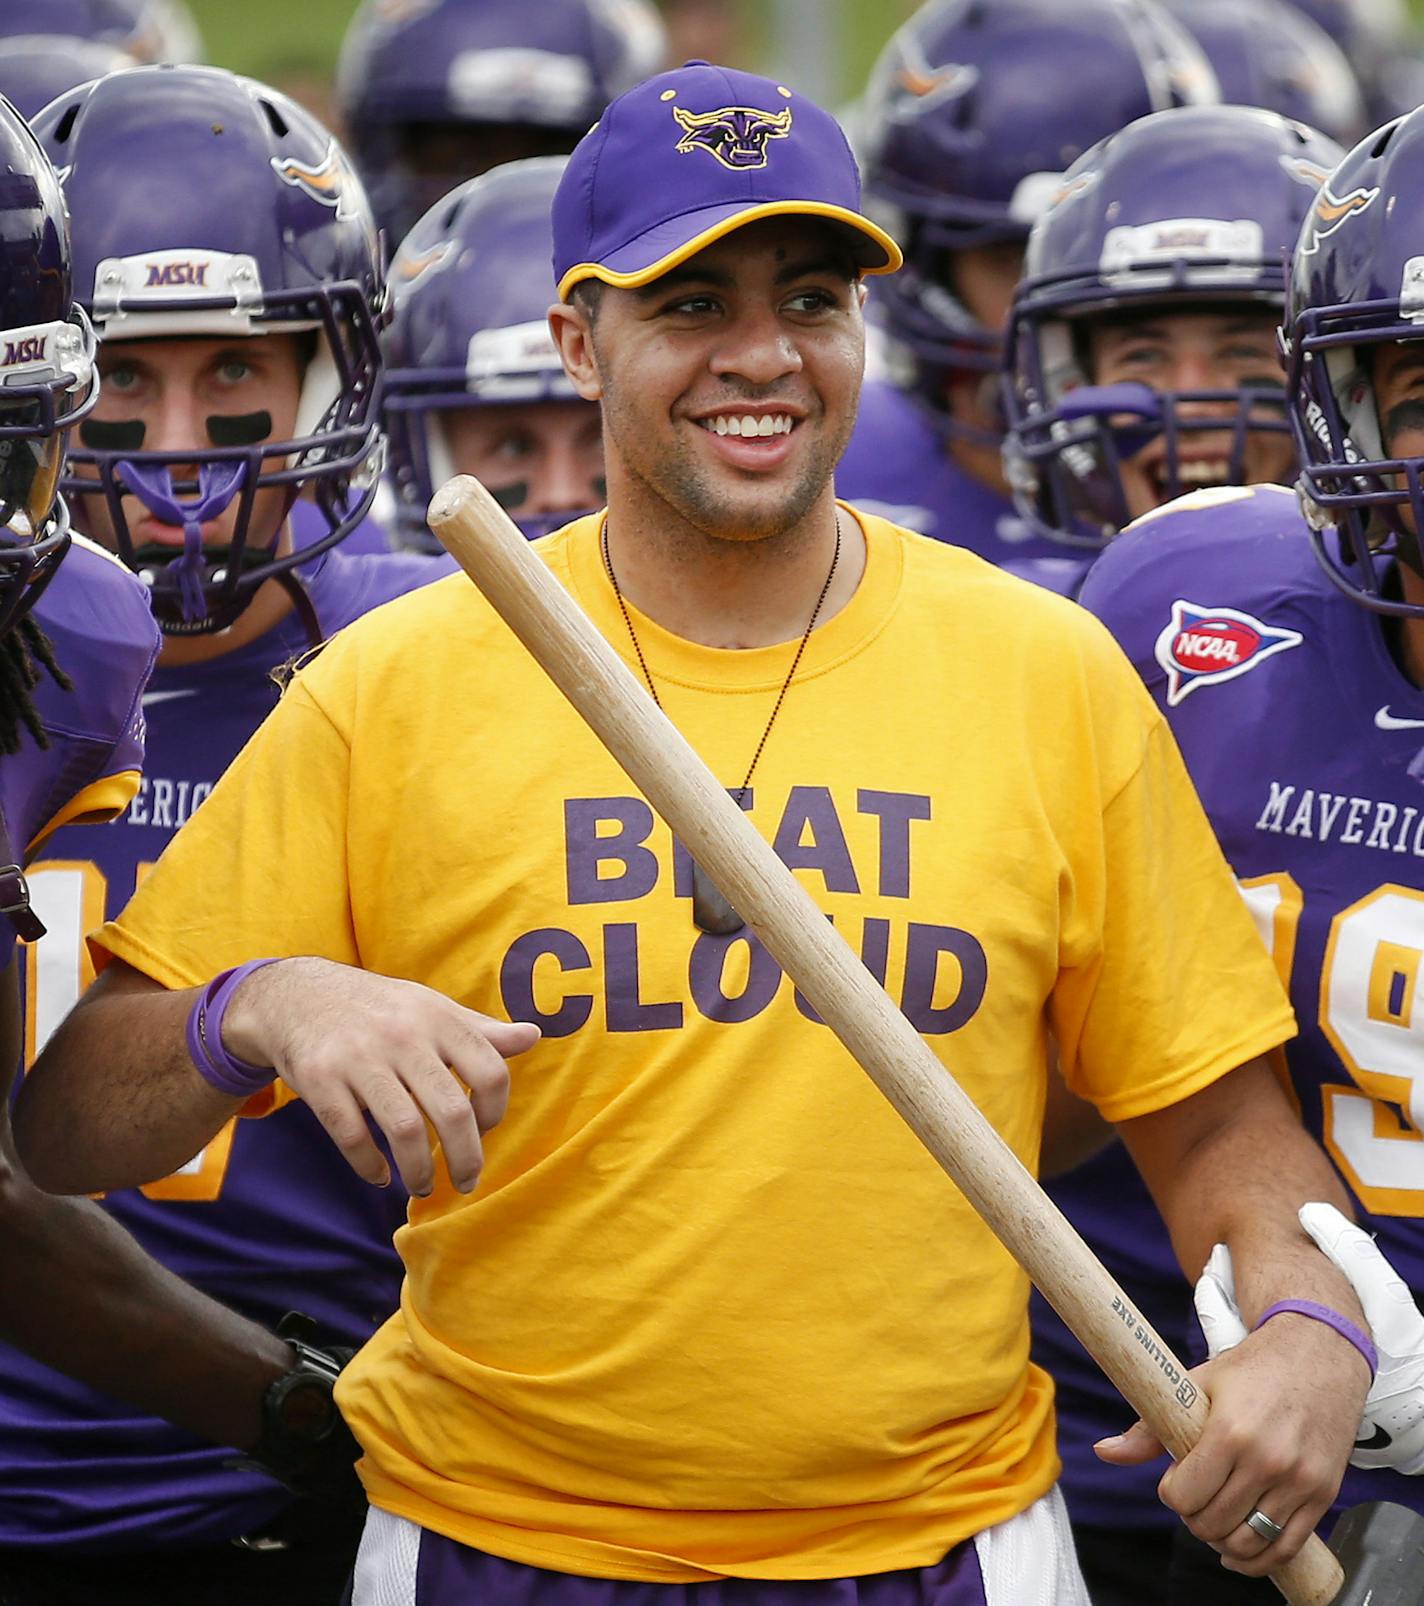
348 1043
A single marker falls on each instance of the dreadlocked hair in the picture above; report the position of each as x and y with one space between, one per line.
24 651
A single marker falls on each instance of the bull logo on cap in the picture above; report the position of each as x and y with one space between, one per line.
736 135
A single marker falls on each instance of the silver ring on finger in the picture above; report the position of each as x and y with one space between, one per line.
1265 1527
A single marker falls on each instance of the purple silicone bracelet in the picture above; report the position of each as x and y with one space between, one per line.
215 1064
1332 1318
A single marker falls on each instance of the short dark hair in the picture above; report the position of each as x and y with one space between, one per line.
587 296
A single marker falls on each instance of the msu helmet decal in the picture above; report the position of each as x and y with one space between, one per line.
736 135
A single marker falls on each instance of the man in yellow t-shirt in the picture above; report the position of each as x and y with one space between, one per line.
712 1317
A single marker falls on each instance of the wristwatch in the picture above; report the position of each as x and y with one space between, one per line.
305 1443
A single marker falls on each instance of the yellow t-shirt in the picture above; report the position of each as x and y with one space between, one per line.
712 1309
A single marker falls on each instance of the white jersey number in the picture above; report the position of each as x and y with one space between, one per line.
1372 1011
69 896
1372 1014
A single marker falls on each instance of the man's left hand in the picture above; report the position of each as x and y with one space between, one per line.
1391 1432
1284 1402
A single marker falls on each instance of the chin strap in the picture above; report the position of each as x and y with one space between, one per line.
218 483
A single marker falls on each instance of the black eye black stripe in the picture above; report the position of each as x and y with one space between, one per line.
107 435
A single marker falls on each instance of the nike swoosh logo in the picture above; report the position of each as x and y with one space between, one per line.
1388 722
1378 1440
152 697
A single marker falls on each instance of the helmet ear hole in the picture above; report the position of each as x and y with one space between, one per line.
275 120
1382 143
65 126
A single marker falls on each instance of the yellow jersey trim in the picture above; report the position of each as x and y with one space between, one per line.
104 799
753 214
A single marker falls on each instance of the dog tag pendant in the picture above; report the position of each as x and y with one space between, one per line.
710 910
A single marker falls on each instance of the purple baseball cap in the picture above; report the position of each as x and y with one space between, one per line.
690 155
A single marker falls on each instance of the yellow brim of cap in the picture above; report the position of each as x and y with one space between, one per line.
739 220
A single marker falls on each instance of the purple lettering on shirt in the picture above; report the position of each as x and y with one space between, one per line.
587 848
827 851
516 980
895 811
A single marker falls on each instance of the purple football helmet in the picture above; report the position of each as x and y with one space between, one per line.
264 229
470 289
1357 283
527 77
1377 40
46 368
147 30
1189 209
1267 53
973 112
37 68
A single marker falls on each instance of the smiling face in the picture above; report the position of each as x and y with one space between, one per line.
729 385
175 394
1198 351
539 460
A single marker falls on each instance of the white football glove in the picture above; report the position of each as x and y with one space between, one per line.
1392 1428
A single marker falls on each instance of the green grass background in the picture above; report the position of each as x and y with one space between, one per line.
281 39
274 38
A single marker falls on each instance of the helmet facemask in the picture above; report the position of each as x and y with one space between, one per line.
1349 479
1073 438
47 386
198 588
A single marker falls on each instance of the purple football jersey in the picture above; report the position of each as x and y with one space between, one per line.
368 537
98 620
896 465
1304 738
268 1218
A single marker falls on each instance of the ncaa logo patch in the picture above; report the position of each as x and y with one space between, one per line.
1204 646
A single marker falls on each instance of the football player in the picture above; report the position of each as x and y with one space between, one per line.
238 351
973 112
1142 338
77 639
35 68
1267 53
439 92
474 384
1381 43
1282 635
147 30
1143 343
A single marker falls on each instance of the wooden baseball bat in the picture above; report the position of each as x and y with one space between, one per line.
481 538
